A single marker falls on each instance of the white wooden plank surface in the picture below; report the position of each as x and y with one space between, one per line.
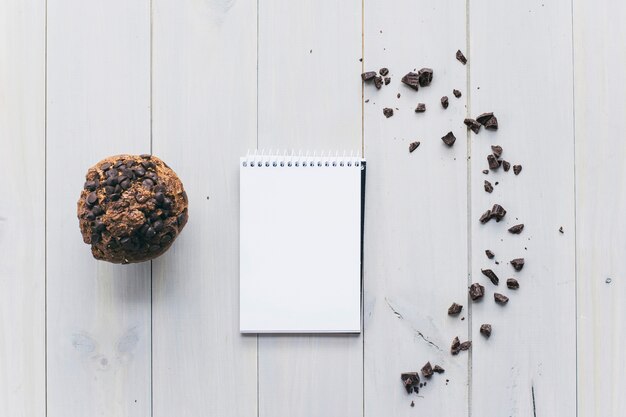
600 94
98 314
521 69
309 98
22 208
416 210
204 119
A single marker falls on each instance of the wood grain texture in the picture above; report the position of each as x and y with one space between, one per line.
309 99
416 210
600 94
22 208
521 69
98 105
204 119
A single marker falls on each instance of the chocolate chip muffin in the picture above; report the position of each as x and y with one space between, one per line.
131 208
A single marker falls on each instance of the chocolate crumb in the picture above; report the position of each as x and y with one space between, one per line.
411 79
388 80
517 229
411 381
500 298
472 124
368 76
449 139
496 150
485 330
398 95
485 217
421 108
454 309
378 82
383 71
466 345
489 254
491 275
456 346
425 76
493 162
476 291
517 264
388 112
506 166
517 169
460 57
561 230
444 102
488 186
438 369
427 370
412 403
413 146
512 283
456 93
485 171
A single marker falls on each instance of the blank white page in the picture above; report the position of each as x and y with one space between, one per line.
300 246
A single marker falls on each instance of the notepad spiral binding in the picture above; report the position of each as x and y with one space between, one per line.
261 159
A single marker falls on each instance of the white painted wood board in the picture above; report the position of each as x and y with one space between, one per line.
415 256
309 98
204 119
600 92
98 104
22 208
520 64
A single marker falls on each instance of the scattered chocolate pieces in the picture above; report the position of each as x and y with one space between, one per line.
517 263
368 76
466 345
489 254
500 298
425 76
438 369
476 291
496 150
388 112
449 139
506 166
485 330
485 217
378 82
398 95
460 57
412 403
427 370
512 283
413 146
491 275
421 108
411 381
456 346
485 171
454 309
498 212
444 102
488 186
472 124
383 71
456 93
517 229
517 169
561 230
493 162
411 79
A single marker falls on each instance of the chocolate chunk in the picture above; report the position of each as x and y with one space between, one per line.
92 199
411 79
506 166
517 169
378 82
472 124
488 186
368 76
512 283
517 229
500 298
383 71
485 217
449 139
489 254
427 370
388 112
456 93
455 348
476 291
387 80
492 124
460 57
485 330
483 118
95 238
454 309
438 369
421 108
413 146
491 275
485 171
466 345
517 263
410 380
425 76
493 162
498 212
496 150
444 102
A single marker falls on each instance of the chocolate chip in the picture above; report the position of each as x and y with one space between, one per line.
387 80
145 156
506 166
491 275
413 146
493 162
517 229
411 79
489 254
167 204
125 184
517 264
485 330
421 108
99 226
512 283
438 369
147 183
455 348
483 118
118 189
114 197
466 345
460 57
425 76
118 163
147 164
109 190
90 185
97 211
455 309
92 199
498 212
141 198
159 197
368 76
427 370
444 102
166 238
90 216
449 139
488 186
456 93
410 380
158 225
485 171
492 124
476 291
388 112
105 166
485 217
140 172
150 233
383 71
126 243
95 238
517 169
472 124
500 298
378 82
496 150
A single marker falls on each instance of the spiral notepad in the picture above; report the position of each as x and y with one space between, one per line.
301 243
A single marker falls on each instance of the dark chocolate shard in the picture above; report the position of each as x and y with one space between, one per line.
517 229
383 71
472 124
485 330
444 102
466 345
438 369
449 139
492 124
427 370
378 82
368 76
421 108
489 254
454 309
485 217
517 263
483 118
491 275
488 186
456 93
496 150
425 76
476 291
411 79
506 166
455 348
460 57
517 169
388 112
512 283
498 212
411 381
500 298
493 162
413 146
